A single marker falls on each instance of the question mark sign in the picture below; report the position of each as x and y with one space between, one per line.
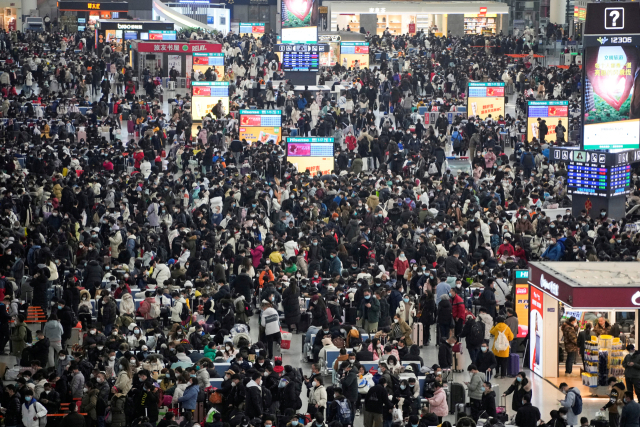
615 14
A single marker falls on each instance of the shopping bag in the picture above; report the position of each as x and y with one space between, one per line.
285 340
396 415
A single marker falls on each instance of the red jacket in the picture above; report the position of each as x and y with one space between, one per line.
506 249
119 291
138 157
352 143
400 266
520 253
457 308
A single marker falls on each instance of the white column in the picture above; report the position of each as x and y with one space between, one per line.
557 11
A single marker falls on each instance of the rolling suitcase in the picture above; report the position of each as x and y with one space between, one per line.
417 333
458 396
461 411
501 411
514 365
457 362
599 423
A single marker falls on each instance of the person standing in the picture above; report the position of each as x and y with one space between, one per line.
528 415
476 390
32 410
630 416
369 312
502 337
573 402
376 402
5 318
631 365
616 395
270 321
570 335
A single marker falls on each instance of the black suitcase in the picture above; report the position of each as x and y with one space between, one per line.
350 314
599 423
305 322
458 396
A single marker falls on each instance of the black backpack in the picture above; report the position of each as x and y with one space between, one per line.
28 338
184 314
476 334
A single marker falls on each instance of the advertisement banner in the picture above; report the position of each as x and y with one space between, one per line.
175 61
522 310
612 106
299 13
313 154
532 128
203 61
264 126
264 135
484 106
178 47
537 326
205 96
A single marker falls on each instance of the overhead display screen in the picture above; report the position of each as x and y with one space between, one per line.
248 28
205 95
612 98
264 126
300 35
486 89
486 98
203 61
301 57
551 112
299 13
162 35
354 54
313 154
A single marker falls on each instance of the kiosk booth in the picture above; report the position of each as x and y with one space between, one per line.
163 55
120 31
588 292
409 17
88 13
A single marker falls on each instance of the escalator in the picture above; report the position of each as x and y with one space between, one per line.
178 19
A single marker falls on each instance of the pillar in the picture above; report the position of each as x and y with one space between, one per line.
557 11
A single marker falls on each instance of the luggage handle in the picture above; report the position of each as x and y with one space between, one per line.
503 401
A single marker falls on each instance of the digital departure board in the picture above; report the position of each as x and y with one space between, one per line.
264 126
585 179
313 154
620 180
301 57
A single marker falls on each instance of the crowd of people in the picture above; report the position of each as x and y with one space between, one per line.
161 244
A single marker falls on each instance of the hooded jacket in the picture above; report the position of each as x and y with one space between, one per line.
570 337
253 406
568 402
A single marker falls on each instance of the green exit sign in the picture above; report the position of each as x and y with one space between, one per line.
522 274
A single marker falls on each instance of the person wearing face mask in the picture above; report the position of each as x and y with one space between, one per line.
124 380
189 398
32 410
369 312
476 388
407 310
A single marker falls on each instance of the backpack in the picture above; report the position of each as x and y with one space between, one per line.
344 412
476 335
184 314
501 343
577 403
154 310
456 139
28 338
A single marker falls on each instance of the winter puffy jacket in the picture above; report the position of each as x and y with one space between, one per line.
438 403
161 273
495 331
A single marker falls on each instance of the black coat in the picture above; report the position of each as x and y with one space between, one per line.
253 408
444 312
527 416
485 361
92 274
489 403
243 285
350 386
73 420
291 306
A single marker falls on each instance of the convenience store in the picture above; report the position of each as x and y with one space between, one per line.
588 292
408 17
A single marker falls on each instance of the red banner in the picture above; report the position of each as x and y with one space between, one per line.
412 28
178 47
250 121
